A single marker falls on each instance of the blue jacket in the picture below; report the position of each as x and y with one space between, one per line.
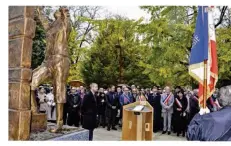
215 126
129 97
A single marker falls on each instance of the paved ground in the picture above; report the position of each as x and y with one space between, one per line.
101 134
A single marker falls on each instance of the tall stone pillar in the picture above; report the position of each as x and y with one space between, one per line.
21 32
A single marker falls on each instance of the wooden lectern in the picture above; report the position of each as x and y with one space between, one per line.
137 125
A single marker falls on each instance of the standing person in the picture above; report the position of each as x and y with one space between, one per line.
118 117
212 103
124 100
180 106
42 100
101 100
194 107
51 112
154 100
213 126
167 100
177 89
74 102
141 97
135 94
111 108
89 110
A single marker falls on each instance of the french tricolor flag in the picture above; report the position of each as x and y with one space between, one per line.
203 58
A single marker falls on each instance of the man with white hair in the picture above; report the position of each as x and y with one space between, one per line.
215 126
167 100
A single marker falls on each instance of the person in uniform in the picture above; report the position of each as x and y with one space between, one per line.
215 126
89 110
112 103
179 107
74 102
167 101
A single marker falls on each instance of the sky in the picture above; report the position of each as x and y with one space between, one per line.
132 12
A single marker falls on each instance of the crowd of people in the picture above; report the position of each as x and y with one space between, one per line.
173 108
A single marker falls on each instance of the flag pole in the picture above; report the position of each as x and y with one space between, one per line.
205 84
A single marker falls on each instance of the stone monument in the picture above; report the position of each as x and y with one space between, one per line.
23 116
21 32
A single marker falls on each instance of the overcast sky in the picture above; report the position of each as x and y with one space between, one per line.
132 12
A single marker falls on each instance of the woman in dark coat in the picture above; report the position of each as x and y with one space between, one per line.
89 110
180 105
101 100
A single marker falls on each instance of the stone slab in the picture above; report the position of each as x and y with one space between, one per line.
20 51
38 122
19 96
48 136
76 136
19 124
19 74
21 12
22 27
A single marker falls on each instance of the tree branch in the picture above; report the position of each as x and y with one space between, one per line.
221 16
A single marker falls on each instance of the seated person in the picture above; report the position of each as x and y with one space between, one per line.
215 126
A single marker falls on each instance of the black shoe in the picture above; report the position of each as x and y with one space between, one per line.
183 134
163 132
113 128
108 129
178 134
103 126
169 132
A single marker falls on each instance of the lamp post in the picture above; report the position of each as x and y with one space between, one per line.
120 63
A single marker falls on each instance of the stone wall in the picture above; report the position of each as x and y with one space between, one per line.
21 32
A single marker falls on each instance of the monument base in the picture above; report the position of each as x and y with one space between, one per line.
68 133
38 122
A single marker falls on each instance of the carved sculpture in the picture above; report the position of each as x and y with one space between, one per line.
56 63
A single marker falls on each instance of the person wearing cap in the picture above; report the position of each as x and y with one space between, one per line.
215 126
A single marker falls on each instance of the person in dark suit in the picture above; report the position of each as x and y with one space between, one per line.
215 126
179 107
89 110
112 104
194 107
154 100
74 102
118 117
101 100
